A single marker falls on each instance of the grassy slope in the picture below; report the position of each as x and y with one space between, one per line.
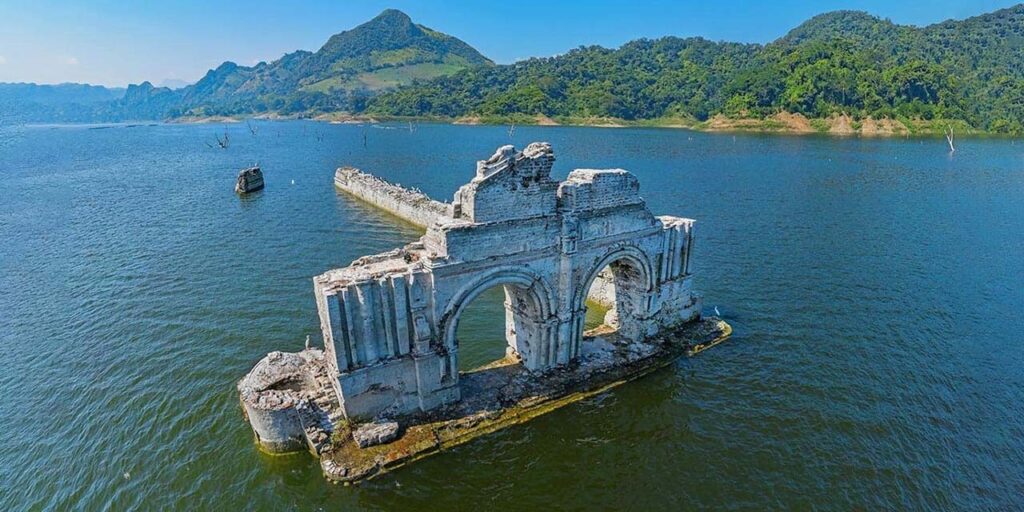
385 78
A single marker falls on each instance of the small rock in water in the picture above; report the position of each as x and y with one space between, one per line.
372 434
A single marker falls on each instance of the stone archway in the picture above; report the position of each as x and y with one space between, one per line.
528 307
390 320
632 279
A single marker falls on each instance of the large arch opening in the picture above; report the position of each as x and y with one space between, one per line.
479 337
471 338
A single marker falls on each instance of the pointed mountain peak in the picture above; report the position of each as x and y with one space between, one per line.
391 40
392 15
390 20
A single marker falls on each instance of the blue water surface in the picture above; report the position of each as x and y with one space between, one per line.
876 287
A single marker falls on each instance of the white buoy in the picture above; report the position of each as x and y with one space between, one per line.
293 182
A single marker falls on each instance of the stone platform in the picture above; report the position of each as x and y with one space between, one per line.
494 397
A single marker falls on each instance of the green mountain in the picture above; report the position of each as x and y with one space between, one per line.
383 53
842 68
836 64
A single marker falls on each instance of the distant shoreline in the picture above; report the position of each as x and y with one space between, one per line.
783 123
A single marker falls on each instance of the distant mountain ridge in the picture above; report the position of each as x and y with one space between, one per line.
846 66
21 102
386 52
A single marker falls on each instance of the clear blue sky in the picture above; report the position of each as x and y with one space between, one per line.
119 42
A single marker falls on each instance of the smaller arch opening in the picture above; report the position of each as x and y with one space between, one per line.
600 302
616 299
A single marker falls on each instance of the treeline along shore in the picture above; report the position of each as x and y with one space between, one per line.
782 122
842 72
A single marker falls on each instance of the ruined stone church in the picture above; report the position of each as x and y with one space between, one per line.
390 320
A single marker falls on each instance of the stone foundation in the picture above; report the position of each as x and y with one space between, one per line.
495 396
504 394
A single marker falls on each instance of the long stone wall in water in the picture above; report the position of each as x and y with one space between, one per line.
411 205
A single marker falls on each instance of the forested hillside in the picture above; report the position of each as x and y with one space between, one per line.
843 67
836 63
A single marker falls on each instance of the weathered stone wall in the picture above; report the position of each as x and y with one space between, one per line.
419 209
596 190
411 205
509 185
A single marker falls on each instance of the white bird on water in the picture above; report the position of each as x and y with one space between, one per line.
293 182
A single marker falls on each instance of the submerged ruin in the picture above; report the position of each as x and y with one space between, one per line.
385 388
249 180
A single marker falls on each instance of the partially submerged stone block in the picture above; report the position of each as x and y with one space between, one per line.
287 402
372 434
411 205
270 394
249 180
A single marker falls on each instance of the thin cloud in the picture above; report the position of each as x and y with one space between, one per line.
71 61
3 60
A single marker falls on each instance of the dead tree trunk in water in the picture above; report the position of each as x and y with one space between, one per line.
222 143
949 138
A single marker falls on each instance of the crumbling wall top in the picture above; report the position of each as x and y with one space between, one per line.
509 185
599 189
537 159
398 261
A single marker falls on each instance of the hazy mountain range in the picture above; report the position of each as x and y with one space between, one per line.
845 64
385 52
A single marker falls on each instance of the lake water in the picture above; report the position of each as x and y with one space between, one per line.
876 288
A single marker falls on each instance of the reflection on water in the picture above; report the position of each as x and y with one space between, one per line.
595 315
481 331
